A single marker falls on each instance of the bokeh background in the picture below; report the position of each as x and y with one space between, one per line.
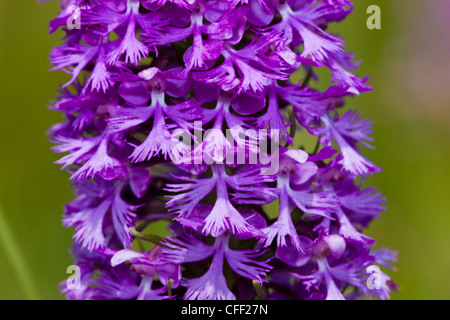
409 66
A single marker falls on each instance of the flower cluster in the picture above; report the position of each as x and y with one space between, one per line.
185 111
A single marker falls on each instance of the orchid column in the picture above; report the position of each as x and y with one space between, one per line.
184 111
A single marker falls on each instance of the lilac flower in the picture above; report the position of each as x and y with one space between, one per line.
184 111
346 131
100 203
223 216
212 285
148 266
317 44
317 203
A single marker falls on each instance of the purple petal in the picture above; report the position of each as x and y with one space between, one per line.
125 255
139 181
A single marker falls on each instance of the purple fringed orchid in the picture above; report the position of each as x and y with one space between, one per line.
186 111
212 285
223 217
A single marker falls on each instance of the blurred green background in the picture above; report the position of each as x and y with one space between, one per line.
408 63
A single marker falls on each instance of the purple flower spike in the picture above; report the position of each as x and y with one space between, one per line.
184 111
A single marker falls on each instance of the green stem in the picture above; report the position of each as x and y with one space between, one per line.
316 149
307 78
16 260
